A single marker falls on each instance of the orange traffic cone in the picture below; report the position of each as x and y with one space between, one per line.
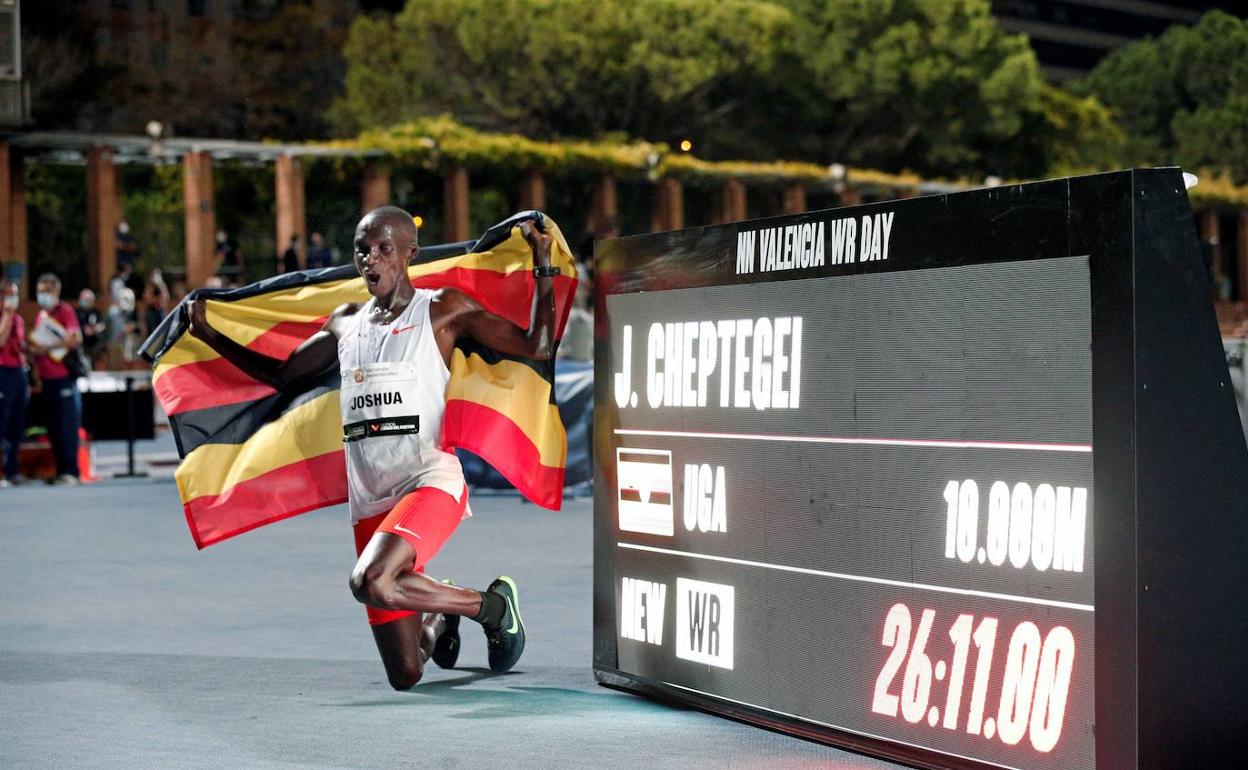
86 457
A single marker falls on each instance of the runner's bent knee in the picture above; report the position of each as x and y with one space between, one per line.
372 583
406 678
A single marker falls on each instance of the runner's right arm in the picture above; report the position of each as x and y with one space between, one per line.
315 356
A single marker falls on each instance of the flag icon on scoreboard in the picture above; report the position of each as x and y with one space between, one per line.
645 490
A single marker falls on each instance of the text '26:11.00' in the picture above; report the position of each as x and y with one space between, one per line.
1033 685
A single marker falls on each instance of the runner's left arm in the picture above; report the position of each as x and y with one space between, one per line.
315 356
467 318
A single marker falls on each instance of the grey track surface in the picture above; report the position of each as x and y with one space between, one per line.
122 646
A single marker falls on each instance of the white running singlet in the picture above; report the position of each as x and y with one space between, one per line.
393 397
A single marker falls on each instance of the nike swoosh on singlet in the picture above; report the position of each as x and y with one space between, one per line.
399 329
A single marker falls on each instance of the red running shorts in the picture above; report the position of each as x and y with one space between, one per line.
425 518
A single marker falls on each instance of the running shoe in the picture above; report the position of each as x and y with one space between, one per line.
446 646
506 640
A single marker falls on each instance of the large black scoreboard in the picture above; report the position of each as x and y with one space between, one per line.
954 480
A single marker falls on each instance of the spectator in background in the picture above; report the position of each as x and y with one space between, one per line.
177 292
123 323
229 258
155 301
578 335
290 257
126 278
93 324
56 333
14 387
602 231
127 245
319 254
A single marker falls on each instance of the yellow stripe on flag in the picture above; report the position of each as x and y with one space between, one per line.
308 430
511 388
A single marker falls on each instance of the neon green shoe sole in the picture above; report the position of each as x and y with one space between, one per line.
506 641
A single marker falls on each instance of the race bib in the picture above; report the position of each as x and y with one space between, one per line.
379 400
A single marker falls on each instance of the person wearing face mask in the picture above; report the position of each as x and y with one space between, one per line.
92 322
14 389
56 333
122 325
127 245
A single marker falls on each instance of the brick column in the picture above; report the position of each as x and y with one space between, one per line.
119 198
6 223
13 216
532 190
604 206
851 197
669 205
200 218
18 239
456 225
102 218
375 188
732 202
795 198
291 219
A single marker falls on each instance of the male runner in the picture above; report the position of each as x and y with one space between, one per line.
406 495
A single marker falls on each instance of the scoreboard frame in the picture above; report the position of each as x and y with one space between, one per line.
1171 466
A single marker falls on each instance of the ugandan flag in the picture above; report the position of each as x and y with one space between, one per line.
252 455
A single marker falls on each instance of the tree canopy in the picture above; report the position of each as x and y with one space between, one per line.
929 85
932 85
546 68
1183 97
271 73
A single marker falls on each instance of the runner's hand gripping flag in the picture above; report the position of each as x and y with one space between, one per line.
253 455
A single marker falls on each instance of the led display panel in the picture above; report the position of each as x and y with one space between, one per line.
847 475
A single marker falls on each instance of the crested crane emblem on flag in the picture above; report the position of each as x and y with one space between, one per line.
253 456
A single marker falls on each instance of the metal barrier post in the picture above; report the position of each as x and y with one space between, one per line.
130 439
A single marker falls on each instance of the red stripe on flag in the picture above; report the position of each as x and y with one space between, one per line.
205 384
292 489
508 295
283 337
500 442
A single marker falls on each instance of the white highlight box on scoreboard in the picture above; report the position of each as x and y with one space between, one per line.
644 494
705 621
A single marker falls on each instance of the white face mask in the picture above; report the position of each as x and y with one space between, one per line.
46 300
10 301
